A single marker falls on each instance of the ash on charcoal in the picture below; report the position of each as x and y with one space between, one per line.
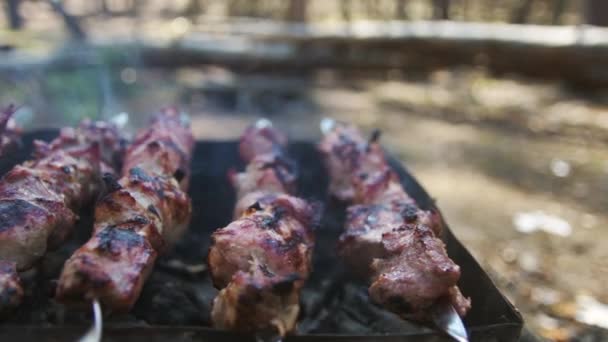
163 294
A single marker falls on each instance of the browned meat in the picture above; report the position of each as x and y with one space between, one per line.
361 241
388 238
11 292
40 198
260 139
275 232
265 174
254 301
143 215
261 260
9 132
164 148
341 149
414 272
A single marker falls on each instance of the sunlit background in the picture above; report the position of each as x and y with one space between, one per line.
499 108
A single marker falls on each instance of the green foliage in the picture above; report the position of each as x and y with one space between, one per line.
74 94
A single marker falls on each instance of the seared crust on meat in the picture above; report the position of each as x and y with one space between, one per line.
387 238
261 139
39 199
268 173
276 233
413 272
142 215
341 150
261 260
361 241
112 267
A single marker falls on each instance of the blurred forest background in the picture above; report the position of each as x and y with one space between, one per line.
500 108
544 12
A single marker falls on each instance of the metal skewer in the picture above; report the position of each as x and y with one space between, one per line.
95 332
263 123
327 125
447 320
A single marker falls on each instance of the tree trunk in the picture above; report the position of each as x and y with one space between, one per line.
12 12
522 12
105 9
233 8
596 12
441 9
558 11
193 9
401 12
70 22
296 10
345 9
371 6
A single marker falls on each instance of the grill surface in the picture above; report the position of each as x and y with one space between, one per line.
176 301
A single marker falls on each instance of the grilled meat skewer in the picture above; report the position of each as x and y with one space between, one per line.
40 199
143 215
261 260
388 239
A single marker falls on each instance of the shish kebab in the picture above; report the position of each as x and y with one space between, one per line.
386 234
261 260
40 199
141 216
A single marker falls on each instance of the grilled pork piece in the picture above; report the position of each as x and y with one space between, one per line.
40 198
265 174
388 239
261 260
414 272
142 215
362 241
9 132
260 139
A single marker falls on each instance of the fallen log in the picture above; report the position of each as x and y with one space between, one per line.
572 54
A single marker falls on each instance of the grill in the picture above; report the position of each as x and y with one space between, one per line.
176 300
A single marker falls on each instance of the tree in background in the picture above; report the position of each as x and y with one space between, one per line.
13 16
596 12
441 9
296 10
401 12
521 12
558 11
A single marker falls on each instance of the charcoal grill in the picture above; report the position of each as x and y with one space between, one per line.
176 301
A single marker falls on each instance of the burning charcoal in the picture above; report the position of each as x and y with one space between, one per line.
315 297
167 302
203 295
357 300
178 266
